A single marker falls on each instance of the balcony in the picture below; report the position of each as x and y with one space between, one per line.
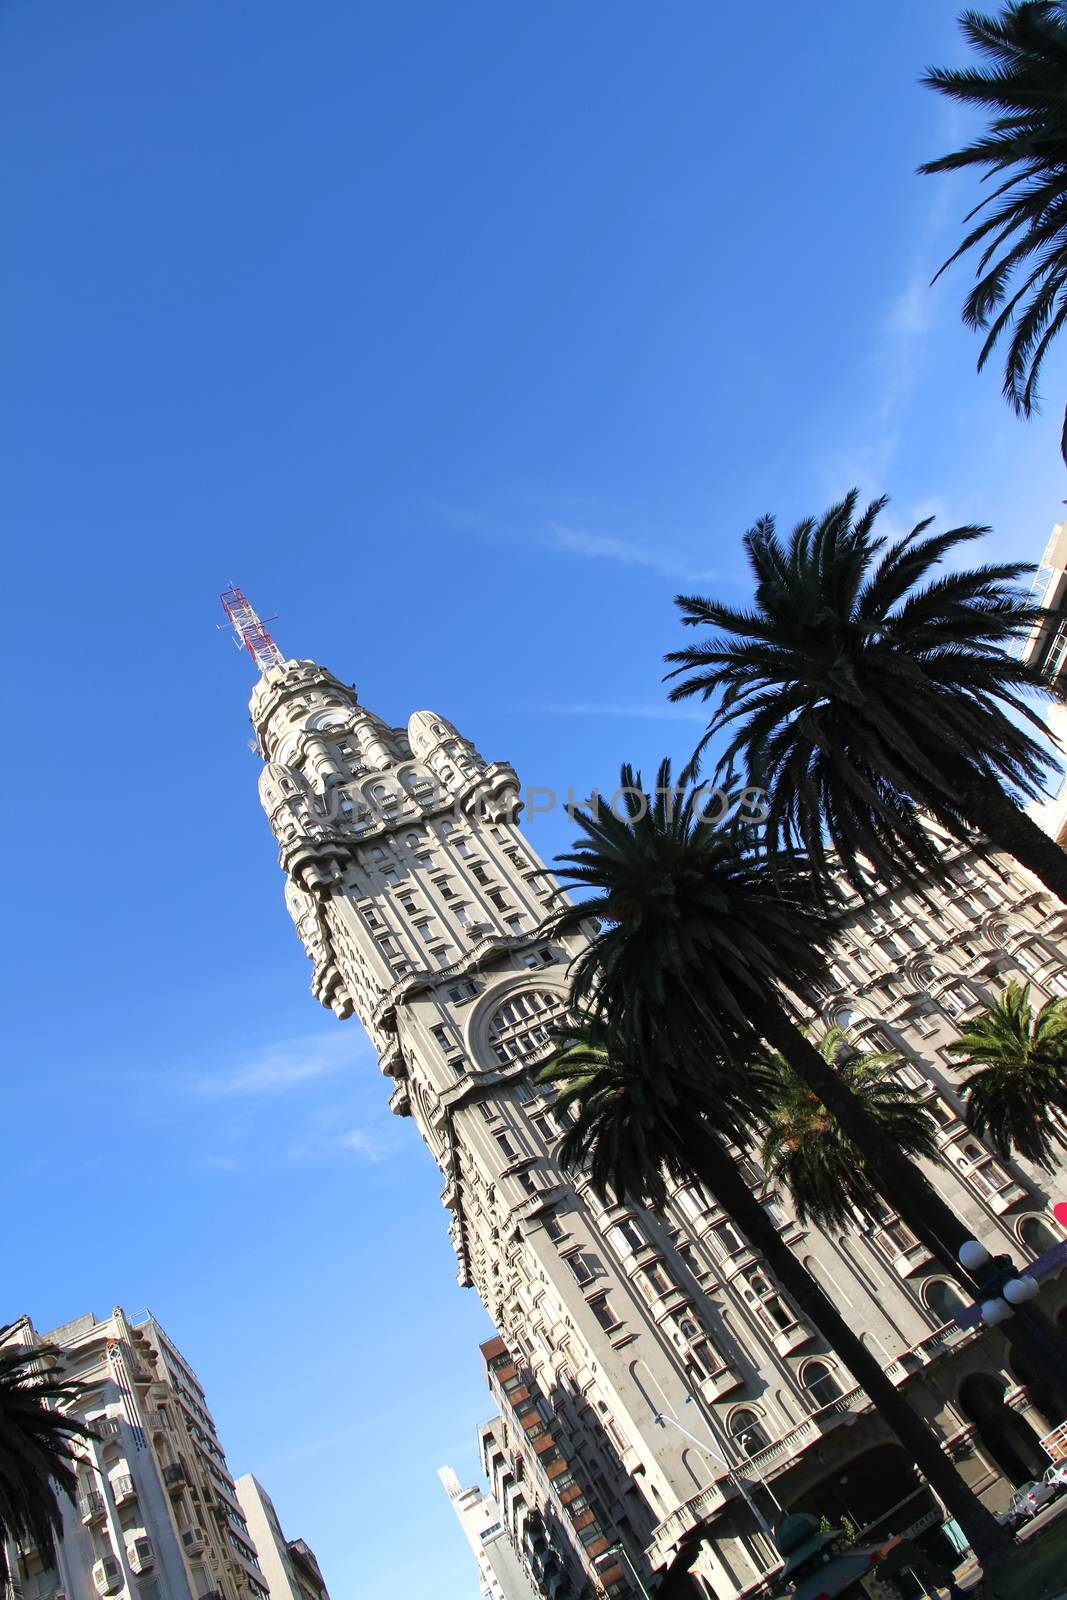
673 1528
193 1541
107 1576
792 1338
140 1554
174 1477
719 1383
91 1507
123 1489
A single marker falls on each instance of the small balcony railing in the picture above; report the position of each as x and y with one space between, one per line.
91 1507
123 1488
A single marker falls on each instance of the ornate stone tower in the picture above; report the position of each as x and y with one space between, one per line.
655 1347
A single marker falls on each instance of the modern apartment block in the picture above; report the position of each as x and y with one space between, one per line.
650 1356
157 1515
289 1565
1047 650
501 1568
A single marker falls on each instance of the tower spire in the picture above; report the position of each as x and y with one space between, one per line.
249 629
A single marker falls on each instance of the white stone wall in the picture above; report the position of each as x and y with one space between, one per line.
133 1530
419 910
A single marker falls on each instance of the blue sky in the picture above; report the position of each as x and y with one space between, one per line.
462 336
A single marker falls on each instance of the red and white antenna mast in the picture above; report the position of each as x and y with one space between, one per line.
250 630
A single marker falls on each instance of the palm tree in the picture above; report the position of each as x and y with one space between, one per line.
863 692
1021 1060
806 1148
705 943
640 1120
1022 234
35 1437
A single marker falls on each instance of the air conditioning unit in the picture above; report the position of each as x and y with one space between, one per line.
140 1554
107 1575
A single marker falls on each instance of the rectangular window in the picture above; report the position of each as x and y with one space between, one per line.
693 1202
371 918
509 1385
444 889
589 1535
654 1281
506 1145
579 1268
538 1431
627 1237
486 1110
496 896
424 931
442 1036
513 924
390 875
554 1227
601 1309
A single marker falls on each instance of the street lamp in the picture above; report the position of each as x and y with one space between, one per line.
1000 1286
735 1477
617 1550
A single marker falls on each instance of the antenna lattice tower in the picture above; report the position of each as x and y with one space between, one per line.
250 630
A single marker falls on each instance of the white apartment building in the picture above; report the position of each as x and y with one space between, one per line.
288 1565
418 901
157 1514
501 1570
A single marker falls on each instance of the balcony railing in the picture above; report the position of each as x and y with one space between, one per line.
91 1507
123 1488
174 1476
672 1528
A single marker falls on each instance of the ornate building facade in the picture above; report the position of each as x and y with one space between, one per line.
156 1516
663 1378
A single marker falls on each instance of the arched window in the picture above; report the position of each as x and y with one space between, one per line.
943 1300
820 1383
520 1027
748 1433
1037 1236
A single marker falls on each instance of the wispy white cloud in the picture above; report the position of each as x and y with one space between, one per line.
329 1133
624 551
364 1143
651 713
277 1067
581 539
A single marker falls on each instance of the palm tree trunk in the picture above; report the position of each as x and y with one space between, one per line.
713 1165
1008 828
911 1193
